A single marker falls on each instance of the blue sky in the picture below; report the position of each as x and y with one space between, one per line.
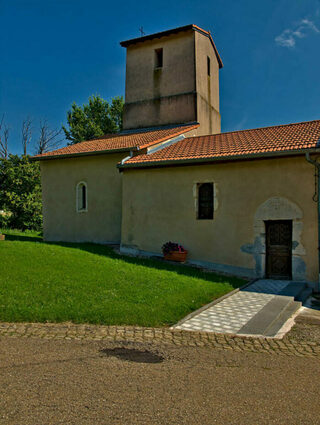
54 52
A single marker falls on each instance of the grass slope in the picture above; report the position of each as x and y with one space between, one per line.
88 283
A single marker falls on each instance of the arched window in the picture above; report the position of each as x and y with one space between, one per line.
82 197
205 201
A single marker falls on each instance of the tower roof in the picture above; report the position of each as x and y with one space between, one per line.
166 33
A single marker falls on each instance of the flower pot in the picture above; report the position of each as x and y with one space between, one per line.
176 256
2 237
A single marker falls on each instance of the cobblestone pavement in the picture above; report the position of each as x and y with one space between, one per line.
290 345
233 312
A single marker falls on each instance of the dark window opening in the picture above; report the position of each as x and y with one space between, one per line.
205 201
158 58
208 66
84 197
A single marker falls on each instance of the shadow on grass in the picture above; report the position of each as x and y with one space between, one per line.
10 237
157 263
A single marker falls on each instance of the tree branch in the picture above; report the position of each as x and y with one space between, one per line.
48 139
4 137
26 134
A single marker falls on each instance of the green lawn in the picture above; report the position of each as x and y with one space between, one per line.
88 283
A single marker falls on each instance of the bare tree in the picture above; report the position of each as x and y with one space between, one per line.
49 139
4 137
26 133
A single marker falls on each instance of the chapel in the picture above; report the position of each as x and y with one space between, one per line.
242 202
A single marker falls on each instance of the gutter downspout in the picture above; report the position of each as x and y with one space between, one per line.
317 166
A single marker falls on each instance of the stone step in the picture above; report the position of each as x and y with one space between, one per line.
293 289
277 324
267 316
304 295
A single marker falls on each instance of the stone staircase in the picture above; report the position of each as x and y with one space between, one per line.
270 319
260 308
300 291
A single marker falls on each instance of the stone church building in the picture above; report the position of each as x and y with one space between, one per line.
242 202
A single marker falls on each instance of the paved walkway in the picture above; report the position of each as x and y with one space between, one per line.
232 313
68 382
289 346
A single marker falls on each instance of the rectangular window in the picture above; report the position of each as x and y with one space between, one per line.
158 58
208 66
205 201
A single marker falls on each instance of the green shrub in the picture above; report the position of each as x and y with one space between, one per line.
20 193
4 219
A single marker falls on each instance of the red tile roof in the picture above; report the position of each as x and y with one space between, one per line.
125 141
174 31
236 144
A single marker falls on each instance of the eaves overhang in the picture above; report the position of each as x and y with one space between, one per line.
217 159
74 155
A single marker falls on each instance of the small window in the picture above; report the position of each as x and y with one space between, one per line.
205 201
158 58
208 66
82 197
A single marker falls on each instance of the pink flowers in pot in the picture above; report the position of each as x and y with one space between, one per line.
172 247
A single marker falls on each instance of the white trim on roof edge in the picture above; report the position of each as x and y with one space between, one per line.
157 147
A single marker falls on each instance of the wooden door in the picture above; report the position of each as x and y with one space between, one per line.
279 249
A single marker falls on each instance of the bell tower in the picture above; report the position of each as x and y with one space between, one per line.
172 77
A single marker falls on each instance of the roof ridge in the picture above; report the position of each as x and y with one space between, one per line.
201 29
162 33
142 130
158 127
257 128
